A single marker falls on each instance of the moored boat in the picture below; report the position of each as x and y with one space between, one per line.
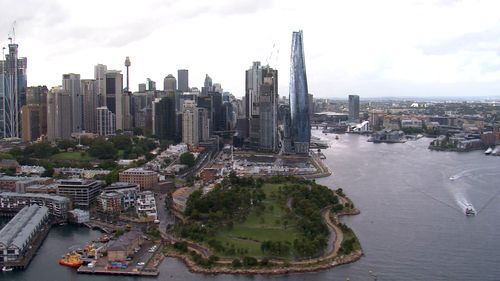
488 151
7 269
72 260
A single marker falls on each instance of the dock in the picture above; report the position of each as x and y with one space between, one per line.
28 256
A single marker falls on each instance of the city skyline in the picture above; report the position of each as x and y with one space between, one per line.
371 51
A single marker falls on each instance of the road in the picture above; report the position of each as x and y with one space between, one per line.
164 215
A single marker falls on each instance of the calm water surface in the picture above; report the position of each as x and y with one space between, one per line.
412 225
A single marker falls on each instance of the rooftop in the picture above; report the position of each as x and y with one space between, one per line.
35 195
124 241
18 231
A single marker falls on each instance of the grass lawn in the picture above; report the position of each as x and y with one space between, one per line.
258 228
76 156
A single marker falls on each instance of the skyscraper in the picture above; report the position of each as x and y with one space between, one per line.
190 123
58 111
299 100
13 86
183 80
261 99
100 78
30 122
116 100
151 84
164 118
71 85
203 124
253 78
105 121
169 84
268 110
354 108
90 103
34 113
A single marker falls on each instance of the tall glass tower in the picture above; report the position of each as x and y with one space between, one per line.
299 100
12 93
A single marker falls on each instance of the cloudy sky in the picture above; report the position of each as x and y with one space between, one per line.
371 48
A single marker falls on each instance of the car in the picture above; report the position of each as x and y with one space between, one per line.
141 263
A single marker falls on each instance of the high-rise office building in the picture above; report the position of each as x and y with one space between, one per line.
190 123
141 87
203 124
114 88
299 100
90 103
13 86
170 84
354 108
116 100
268 110
71 85
58 112
100 78
30 122
36 97
261 100
183 80
151 85
164 118
105 121
253 78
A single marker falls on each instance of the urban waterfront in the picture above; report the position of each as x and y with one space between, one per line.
412 225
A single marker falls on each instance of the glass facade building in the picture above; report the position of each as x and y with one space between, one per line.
13 87
299 99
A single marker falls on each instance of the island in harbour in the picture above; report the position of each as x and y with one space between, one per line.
274 225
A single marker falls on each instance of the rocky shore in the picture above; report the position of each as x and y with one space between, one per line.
276 270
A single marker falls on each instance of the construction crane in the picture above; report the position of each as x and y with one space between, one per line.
268 60
12 35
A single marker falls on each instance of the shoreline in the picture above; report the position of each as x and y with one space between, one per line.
327 261
353 257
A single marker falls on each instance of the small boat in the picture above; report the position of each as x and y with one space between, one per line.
336 137
495 151
7 269
488 151
469 211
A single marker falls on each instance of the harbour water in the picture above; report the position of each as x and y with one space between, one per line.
412 225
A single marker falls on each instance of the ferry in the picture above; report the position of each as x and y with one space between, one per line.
71 260
7 269
488 151
469 211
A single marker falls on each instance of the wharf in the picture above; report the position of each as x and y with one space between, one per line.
88 270
35 244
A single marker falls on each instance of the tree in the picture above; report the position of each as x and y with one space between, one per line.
249 261
65 144
187 158
121 142
112 177
236 263
102 149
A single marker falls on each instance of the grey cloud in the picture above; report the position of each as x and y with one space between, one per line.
488 40
31 16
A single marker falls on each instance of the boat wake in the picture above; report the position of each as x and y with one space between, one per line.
464 204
